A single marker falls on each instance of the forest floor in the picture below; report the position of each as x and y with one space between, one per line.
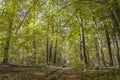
56 73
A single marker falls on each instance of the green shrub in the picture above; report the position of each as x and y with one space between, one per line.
76 64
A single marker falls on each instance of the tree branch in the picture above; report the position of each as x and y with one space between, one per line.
25 17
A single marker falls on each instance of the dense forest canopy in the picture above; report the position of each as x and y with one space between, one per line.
60 32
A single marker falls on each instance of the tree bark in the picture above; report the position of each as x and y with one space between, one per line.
109 48
34 49
102 53
50 55
7 45
81 57
117 51
97 55
51 47
55 52
83 48
47 50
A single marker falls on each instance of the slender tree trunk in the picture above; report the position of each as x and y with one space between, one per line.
51 45
7 45
97 55
34 49
103 58
88 57
76 54
83 49
117 51
50 55
55 52
102 53
101 50
47 50
6 50
81 57
109 48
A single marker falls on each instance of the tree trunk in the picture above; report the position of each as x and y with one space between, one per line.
6 50
50 55
109 48
102 53
7 45
97 55
55 52
34 49
101 50
117 51
47 50
83 49
81 57
51 45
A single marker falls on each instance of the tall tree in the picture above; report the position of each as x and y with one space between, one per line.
84 55
109 48
10 11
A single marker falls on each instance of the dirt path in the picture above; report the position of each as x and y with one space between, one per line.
31 73
52 73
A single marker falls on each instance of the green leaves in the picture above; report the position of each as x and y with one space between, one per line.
31 22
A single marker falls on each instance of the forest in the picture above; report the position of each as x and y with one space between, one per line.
59 39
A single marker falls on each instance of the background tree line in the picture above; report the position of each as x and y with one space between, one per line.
60 32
